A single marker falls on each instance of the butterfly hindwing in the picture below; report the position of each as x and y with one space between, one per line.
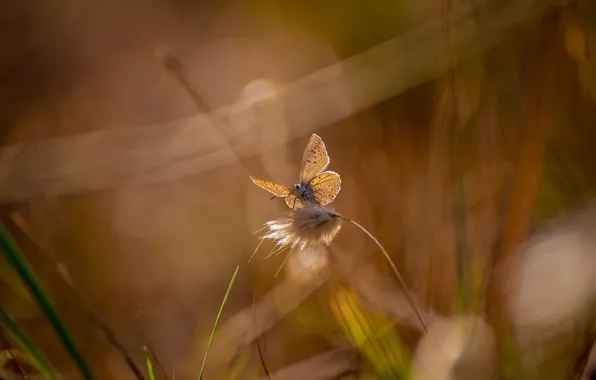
294 202
325 187
314 160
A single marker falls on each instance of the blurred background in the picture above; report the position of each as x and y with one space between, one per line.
462 130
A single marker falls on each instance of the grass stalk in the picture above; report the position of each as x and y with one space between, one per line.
223 303
395 271
19 338
149 365
16 258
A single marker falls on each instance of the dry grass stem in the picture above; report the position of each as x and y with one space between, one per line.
261 358
395 271
241 329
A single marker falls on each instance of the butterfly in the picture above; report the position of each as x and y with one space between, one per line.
316 185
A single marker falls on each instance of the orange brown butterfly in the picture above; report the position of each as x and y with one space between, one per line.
316 186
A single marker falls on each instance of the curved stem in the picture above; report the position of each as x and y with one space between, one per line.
395 271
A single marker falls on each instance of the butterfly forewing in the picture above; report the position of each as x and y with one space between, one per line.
272 187
314 160
325 187
294 202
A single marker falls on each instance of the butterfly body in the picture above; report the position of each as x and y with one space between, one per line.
317 186
305 193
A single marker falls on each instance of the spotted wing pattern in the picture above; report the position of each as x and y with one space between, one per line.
325 186
294 202
314 160
272 187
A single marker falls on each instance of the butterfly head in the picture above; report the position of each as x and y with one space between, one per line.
302 191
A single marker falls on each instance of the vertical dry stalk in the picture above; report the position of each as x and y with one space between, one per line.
529 165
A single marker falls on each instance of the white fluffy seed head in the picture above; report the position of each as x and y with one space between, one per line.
305 228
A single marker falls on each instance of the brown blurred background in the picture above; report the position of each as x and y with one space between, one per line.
154 259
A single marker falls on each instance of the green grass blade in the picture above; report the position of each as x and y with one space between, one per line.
25 344
149 365
16 258
217 321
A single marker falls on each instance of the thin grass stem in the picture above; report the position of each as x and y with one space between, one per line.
149 365
223 302
19 366
254 319
395 271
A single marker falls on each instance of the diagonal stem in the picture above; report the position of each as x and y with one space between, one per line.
395 271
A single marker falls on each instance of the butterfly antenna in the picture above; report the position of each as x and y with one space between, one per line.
256 249
282 264
272 198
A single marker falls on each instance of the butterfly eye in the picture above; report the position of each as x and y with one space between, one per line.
297 186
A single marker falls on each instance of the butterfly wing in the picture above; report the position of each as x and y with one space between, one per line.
314 160
294 202
272 187
325 186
